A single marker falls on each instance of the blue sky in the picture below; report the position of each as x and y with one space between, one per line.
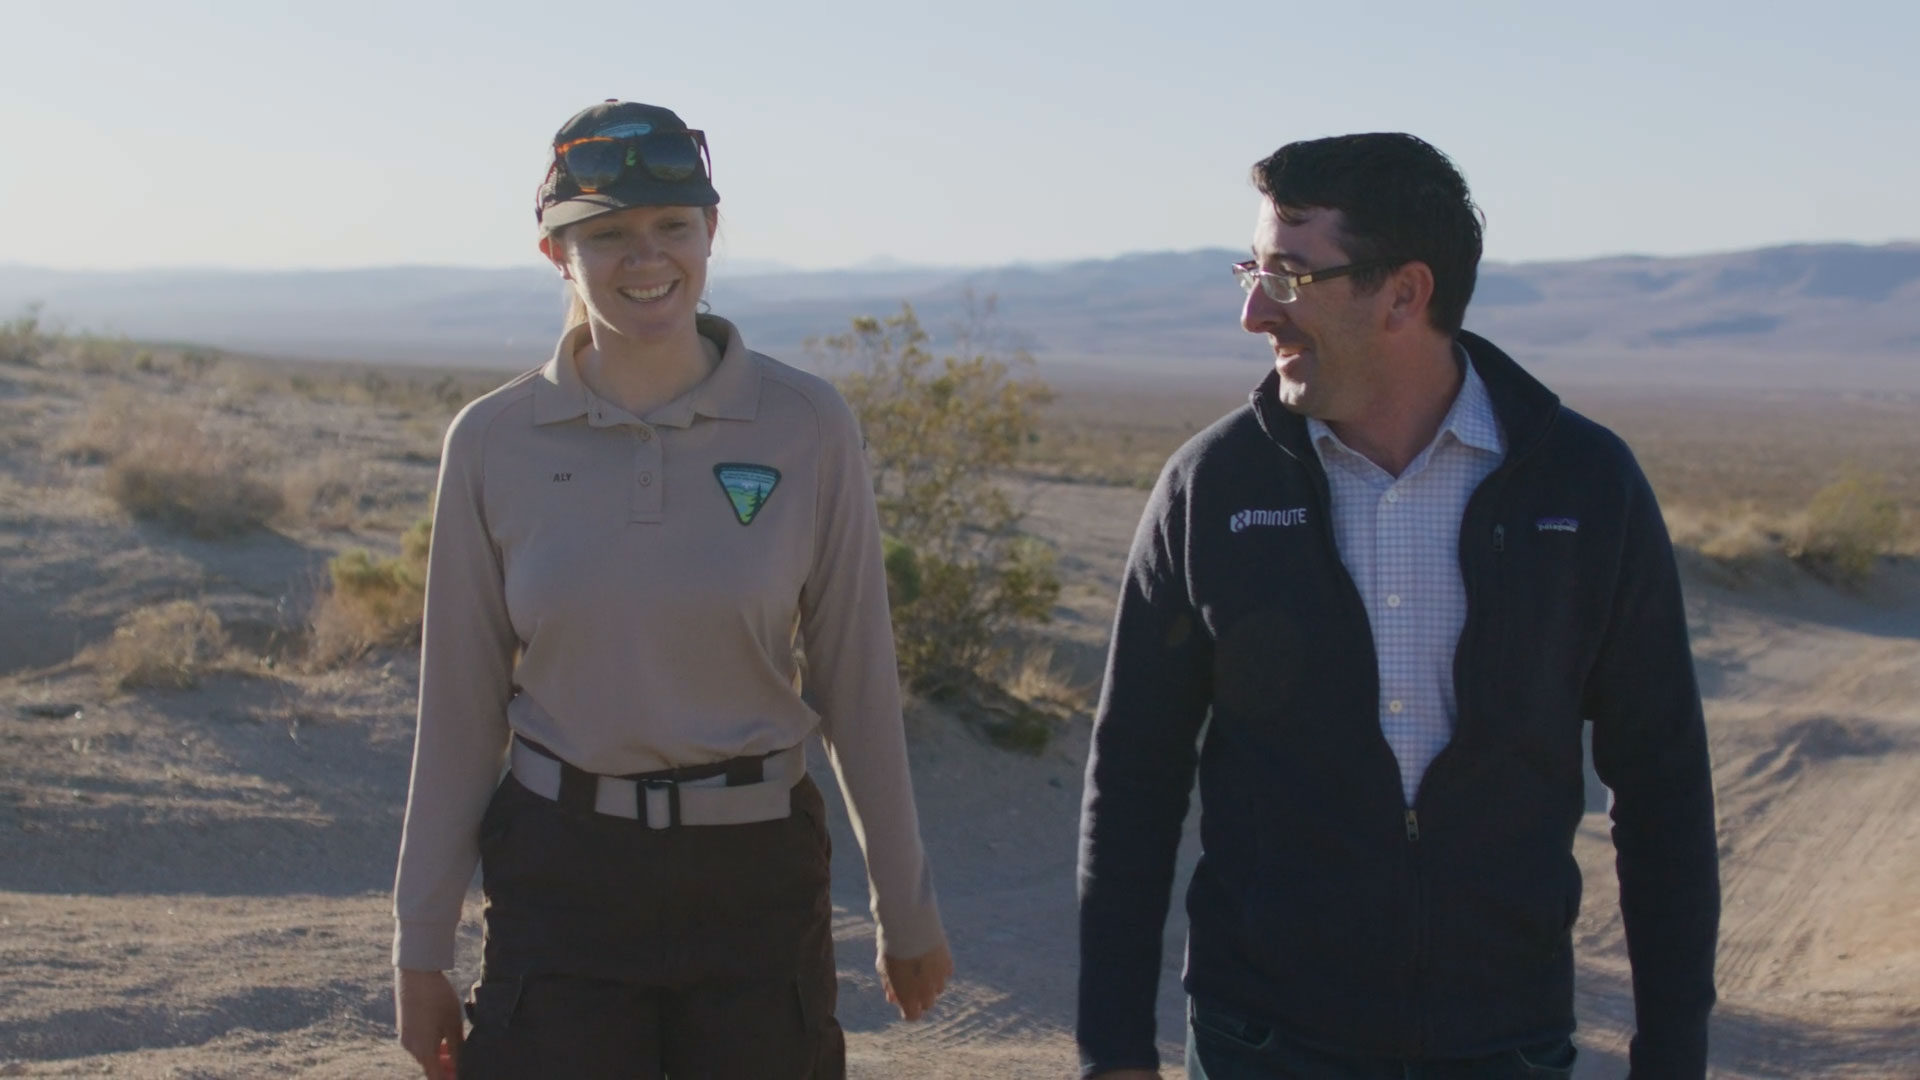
338 134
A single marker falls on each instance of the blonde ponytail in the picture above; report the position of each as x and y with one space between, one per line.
576 310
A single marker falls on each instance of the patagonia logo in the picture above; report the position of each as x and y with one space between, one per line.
1247 519
1557 524
747 487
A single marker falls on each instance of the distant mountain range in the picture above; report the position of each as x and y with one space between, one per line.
1808 315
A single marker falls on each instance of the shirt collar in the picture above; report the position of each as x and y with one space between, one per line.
1470 419
730 392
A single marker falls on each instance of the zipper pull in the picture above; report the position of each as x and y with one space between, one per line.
1413 827
1499 538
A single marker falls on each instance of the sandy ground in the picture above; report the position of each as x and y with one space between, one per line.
193 883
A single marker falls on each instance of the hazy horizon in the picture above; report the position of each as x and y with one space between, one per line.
888 264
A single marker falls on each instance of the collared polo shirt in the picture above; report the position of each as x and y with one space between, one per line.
626 591
1399 538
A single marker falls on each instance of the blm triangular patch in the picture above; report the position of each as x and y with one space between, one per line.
747 487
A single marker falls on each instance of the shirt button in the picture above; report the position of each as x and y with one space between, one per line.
1393 706
646 479
1393 601
645 434
1393 495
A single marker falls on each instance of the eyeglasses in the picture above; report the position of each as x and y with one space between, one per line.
1285 288
597 162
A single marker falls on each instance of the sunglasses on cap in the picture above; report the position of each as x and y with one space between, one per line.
598 162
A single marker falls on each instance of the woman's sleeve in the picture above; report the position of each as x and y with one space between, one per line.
855 684
466 680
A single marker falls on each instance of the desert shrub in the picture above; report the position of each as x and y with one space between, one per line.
939 432
166 646
21 341
200 497
320 491
161 465
196 362
105 430
373 601
96 355
1847 526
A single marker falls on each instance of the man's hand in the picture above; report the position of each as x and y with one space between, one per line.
915 984
428 1014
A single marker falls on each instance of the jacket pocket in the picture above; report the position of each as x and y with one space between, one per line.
1548 1060
492 1002
1230 1026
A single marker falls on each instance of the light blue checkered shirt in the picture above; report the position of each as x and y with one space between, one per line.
1400 540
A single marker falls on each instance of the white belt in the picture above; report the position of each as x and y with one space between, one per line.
666 803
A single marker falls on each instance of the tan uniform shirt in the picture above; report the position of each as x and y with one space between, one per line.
651 572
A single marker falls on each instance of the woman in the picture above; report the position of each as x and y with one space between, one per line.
625 543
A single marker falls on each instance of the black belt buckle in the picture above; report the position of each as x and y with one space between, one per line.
673 802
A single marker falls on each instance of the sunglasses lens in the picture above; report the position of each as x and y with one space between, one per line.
671 157
596 164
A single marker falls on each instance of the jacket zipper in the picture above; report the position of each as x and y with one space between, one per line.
1412 820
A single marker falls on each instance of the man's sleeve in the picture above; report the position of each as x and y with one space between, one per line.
1139 772
1650 748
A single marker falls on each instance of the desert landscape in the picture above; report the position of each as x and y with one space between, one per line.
203 758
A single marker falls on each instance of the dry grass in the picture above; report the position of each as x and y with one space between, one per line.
1734 548
1037 679
166 646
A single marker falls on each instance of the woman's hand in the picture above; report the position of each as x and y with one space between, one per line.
915 984
427 1012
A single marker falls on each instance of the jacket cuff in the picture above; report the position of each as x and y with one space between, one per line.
1090 1067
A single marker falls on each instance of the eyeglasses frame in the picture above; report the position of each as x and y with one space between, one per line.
1249 272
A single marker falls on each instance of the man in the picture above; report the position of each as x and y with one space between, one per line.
1390 589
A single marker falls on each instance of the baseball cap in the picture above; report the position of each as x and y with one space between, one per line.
622 154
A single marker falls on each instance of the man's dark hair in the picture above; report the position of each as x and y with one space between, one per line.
1402 201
